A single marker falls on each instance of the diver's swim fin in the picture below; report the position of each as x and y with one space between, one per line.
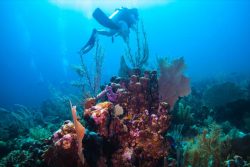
103 19
90 44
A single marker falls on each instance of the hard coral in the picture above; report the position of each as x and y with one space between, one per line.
64 148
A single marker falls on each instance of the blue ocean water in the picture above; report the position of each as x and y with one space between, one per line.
40 40
189 105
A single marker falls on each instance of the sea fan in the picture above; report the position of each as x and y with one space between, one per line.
172 82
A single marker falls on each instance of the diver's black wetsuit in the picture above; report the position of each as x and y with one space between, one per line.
118 23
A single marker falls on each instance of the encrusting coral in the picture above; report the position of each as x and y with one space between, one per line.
63 150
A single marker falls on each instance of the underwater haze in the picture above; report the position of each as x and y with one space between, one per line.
40 40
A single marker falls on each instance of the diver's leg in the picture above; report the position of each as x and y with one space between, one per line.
90 44
103 19
109 33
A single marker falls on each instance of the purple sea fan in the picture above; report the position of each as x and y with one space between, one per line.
172 82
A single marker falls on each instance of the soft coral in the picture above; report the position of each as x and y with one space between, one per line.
172 82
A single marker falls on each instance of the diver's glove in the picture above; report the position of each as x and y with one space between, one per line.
90 44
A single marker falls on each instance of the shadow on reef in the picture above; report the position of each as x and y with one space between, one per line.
236 112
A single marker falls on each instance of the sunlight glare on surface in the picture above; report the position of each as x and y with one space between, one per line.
87 6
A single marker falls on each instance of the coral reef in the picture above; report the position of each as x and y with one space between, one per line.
237 161
216 143
140 118
39 133
172 82
26 152
135 114
208 149
64 150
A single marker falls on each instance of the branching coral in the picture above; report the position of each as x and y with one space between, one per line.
184 114
140 57
90 83
209 149
176 132
23 116
172 82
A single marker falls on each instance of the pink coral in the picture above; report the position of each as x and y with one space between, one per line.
63 151
128 152
172 82
65 142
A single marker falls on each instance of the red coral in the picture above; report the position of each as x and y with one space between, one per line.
172 82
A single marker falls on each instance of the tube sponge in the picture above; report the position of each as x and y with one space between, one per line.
80 131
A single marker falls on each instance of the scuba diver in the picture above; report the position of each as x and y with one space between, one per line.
118 24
